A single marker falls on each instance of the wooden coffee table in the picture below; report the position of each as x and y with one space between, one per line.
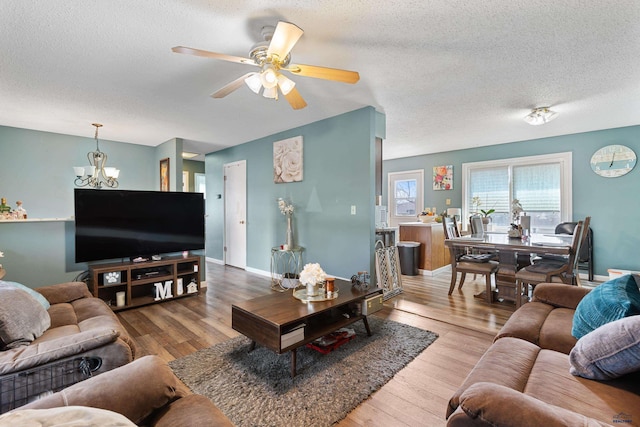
275 320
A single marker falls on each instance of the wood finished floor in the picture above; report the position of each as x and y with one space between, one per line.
417 395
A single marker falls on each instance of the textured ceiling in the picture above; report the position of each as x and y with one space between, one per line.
447 74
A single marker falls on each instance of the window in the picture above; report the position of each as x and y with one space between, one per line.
405 196
542 185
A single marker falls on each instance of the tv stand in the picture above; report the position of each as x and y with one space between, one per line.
146 282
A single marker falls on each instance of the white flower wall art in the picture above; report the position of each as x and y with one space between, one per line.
287 160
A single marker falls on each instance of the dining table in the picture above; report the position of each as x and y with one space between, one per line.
513 253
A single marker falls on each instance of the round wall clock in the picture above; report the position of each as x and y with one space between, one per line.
613 161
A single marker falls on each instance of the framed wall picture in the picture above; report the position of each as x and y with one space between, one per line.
443 177
164 175
287 160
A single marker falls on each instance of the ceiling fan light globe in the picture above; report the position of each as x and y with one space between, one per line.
286 84
254 83
269 78
270 92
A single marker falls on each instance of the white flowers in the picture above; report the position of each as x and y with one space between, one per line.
1 254
285 208
311 274
516 209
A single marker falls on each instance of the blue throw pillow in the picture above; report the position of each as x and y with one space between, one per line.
35 294
612 300
611 351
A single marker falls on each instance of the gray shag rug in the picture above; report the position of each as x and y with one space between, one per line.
256 389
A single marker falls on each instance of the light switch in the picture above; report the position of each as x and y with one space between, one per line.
448 202
353 209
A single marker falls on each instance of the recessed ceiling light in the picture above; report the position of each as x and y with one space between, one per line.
187 155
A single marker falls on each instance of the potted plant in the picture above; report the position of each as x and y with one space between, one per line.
486 218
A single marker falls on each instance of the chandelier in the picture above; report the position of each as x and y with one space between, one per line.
96 175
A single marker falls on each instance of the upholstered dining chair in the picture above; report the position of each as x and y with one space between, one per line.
477 226
585 255
463 263
544 272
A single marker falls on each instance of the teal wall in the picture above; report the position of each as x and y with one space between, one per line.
612 203
36 167
338 173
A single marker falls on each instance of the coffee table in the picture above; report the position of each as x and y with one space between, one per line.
282 323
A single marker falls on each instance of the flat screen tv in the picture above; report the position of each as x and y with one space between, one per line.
114 224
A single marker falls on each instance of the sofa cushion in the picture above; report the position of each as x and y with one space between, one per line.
67 416
607 302
37 295
555 332
541 324
611 351
22 318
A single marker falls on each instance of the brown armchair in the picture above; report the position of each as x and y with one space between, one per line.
84 338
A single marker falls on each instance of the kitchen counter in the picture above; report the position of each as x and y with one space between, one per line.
434 258
420 224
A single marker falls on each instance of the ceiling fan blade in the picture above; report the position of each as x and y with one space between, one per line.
295 100
284 38
230 87
326 73
207 54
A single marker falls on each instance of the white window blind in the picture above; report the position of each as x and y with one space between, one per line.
542 184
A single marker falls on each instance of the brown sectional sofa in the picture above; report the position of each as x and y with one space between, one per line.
523 379
145 391
81 326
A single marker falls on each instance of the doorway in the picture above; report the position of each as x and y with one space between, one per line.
235 214
406 195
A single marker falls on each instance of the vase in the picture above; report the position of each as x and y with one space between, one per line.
289 233
312 289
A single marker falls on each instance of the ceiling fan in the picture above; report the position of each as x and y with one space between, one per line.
273 56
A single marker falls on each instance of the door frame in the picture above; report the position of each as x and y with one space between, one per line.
227 216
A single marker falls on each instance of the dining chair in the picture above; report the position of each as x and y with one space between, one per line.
463 262
565 272
476 224
585 260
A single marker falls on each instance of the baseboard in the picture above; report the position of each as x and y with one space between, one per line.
214 260
258 272
436 271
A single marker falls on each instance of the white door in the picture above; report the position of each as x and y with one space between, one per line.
200 186
406 195
235 213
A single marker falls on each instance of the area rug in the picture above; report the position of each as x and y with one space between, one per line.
256 389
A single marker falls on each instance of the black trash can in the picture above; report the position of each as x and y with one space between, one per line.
409 253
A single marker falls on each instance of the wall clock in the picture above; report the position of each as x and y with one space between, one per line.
613 161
